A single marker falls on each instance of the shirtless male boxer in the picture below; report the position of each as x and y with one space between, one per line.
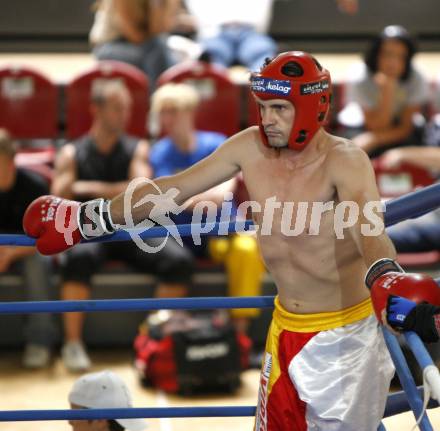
326 366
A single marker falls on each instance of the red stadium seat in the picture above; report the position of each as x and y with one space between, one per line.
338 96
78 117
28 103
406 178
337 104
219 110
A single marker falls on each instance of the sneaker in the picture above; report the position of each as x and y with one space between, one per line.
36 356
75 357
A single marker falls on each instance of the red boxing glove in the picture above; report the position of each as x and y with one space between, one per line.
385 277
59 224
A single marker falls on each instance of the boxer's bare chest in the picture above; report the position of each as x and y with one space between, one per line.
287 190
296 225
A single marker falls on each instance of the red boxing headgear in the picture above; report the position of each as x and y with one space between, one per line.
415 287
297 77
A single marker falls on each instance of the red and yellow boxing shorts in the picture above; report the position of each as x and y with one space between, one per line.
325 371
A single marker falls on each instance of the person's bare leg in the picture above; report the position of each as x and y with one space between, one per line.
74 322
171 290
74 354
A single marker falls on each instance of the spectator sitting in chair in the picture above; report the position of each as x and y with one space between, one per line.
385 95
19 187
175 106
236 32
101 164
135 32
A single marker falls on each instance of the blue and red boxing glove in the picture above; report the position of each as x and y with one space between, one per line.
410 300
398 309
406 315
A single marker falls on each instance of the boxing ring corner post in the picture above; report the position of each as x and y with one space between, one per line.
431 373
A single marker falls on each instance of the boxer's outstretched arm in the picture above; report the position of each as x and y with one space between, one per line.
220 166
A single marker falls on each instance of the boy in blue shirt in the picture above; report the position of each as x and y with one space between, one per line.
174 106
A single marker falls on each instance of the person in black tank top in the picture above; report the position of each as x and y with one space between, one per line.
92 165
101 164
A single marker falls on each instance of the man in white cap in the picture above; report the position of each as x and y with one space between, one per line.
102 390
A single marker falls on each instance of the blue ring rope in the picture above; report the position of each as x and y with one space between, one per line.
418 348
136 304
127 413
153 232
94 305
396 403
411 205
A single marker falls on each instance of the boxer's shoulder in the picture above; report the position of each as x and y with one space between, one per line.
244 143
249 136
341 150
346 163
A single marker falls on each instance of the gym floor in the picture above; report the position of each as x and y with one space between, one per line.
48 389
